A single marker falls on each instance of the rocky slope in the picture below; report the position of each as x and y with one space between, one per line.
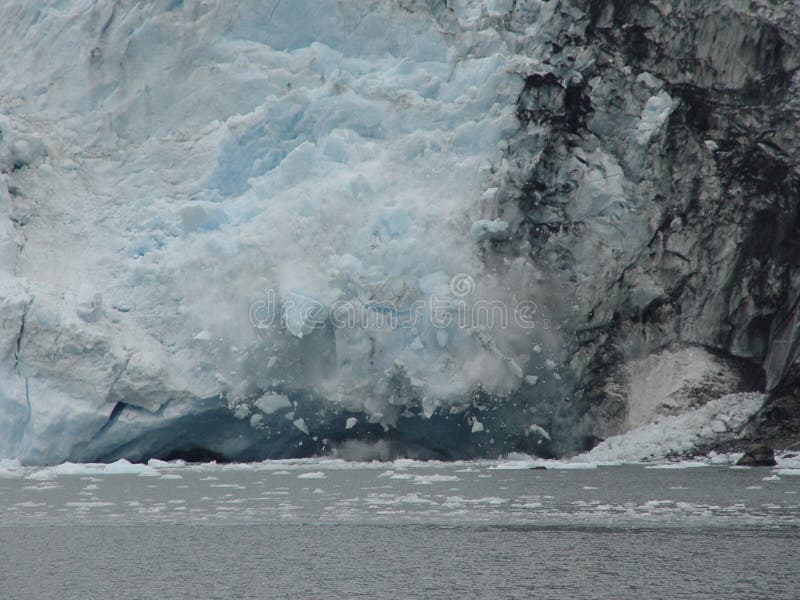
663 193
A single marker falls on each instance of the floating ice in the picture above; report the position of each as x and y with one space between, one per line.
10 469
120 467
272 402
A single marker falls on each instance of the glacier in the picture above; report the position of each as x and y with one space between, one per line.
188 158
182 180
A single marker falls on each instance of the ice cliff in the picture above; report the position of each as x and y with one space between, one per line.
195 194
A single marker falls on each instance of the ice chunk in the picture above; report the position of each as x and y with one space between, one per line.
539 430
718 426
679 433
120 467
650 80
435 478
489 230
655 113
242 411
272 402
303 313
301 425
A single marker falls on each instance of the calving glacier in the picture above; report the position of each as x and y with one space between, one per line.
172 164
245 229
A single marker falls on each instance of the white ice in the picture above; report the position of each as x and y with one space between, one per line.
183 168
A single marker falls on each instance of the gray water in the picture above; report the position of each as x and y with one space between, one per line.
400 530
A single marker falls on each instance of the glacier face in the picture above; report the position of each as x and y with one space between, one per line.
171 170
173 164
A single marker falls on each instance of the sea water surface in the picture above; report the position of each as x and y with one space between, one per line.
333 529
